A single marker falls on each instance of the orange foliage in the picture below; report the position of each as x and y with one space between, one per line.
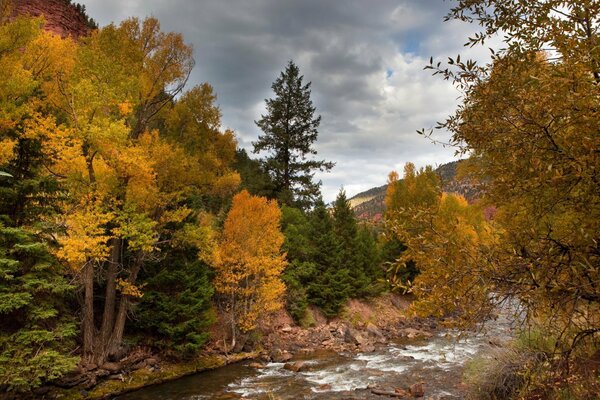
248 260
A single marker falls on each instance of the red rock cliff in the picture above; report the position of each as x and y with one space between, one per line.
62 18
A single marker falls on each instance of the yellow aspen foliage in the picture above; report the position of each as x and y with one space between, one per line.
86 238
7 150
450 242
248 261
450 254
129 289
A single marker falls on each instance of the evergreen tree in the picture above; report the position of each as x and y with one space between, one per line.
255 179
301 269
359 250
290 129
367 260
176 309
344 221
36 334
330 287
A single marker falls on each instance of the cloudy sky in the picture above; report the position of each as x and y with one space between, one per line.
365 59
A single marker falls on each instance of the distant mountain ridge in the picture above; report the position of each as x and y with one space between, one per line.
369 205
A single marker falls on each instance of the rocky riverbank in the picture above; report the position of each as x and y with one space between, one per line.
363 326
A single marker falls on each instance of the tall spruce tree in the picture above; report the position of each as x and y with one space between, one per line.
290 129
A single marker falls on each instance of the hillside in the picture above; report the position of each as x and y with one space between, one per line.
63 17
369 205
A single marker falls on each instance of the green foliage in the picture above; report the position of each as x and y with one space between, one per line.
176 310
255 179
290 129
31 193
367 264
330 286
300 270
391 249
91 23
332 258
359 252
36 334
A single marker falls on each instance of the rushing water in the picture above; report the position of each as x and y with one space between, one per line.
437 362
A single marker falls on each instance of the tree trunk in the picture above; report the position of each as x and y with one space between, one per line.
119 327
88 312
108 317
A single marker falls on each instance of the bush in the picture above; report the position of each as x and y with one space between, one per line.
500 374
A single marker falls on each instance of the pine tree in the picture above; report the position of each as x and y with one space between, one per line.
360 256
344 221
290 129
36 334
176 311
301 269
330 286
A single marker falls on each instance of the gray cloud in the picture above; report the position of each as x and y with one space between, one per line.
365 60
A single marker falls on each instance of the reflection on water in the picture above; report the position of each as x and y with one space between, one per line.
437 362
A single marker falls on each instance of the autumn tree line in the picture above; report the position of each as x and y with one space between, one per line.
128 216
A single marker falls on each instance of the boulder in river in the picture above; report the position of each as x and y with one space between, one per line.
281 356
295 366
412 333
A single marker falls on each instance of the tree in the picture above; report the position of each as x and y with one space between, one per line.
358 248
255 179
300 271
290 129
129 185
248 262
37 333
176 311
450 242
417 194
529 122
330 286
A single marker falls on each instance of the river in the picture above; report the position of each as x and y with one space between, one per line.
437 362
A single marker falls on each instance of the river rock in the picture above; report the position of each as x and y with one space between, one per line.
256 365
295 366
279 356
353 336
367 348
402 392
412 333
416 390
374 331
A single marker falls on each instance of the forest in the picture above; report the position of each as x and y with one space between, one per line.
131 219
